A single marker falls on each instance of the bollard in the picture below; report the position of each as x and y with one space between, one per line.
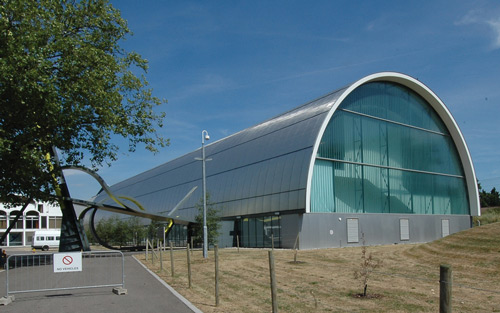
238 242
445 284
274 288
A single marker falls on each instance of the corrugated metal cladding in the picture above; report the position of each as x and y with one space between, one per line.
261 169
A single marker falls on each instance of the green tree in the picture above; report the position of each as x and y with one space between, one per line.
66 82
152 230
137 230
494 197
121 231
489 199
213 222
105 229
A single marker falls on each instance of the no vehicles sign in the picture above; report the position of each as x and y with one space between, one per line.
67 262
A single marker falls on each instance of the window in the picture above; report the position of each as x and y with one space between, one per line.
40 208
19 223
258 232
3 219
16 239
177 236
55 222
32 219
40 238
50 237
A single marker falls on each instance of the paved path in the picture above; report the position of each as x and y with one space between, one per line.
145 294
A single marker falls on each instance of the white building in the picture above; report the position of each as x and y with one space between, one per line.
37 215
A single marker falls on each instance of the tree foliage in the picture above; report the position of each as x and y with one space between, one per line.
213 222
489 199
121 232
66 82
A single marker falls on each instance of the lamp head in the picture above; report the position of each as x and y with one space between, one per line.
207 137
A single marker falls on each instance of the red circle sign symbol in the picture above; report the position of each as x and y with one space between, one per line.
67 260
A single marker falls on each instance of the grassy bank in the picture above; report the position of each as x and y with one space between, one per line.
323 280
488 216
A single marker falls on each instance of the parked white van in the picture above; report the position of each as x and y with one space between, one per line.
45 239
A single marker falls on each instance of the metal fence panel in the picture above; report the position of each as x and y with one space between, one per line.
35 272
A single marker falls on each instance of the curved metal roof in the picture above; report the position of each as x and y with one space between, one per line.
267 167
260 169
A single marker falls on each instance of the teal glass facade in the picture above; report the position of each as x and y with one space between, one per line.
385 150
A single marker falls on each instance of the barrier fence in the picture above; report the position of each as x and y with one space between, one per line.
39 272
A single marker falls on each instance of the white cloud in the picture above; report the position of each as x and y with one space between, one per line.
483 18
206 84
495 26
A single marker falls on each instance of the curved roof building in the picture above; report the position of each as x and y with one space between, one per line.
382 157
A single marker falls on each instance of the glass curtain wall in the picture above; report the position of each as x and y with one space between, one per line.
386 150
178 235
259 232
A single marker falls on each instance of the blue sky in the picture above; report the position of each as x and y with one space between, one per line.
224 66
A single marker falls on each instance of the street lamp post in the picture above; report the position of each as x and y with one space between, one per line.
204 136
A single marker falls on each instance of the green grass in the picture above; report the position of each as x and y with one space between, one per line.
488 216
408 280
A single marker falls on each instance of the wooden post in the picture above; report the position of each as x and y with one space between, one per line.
238 242
445 284
153 252
192 247
274 288
161 259
216 247
295 249
189 265
172 258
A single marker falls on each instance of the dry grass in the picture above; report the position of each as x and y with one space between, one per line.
323 280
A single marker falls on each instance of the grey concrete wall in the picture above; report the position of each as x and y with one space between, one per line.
329 230
291 226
